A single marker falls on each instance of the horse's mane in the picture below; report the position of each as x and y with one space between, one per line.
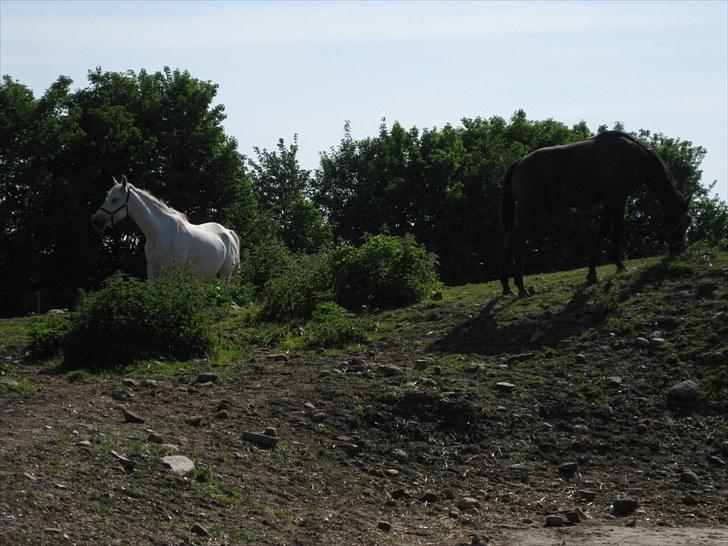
161 205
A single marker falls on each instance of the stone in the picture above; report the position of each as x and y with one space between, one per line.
554 521
121 395
573 515
586 495
657 341
716 461
400 494
194 420
479 540
206 377
430 497
389 371
391 472
568 470
83 443
642 343
505 387
149 383
127 464
318 417
199 530
422 363
688 476
580 358
683 394
179 464
271 431
624 507
222 414
453 512
384 525
131 417
278 357
128 382
468 503
260 440
155 438
615 380
400 455
223 405
351 449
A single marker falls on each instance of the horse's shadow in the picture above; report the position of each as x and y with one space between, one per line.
492 332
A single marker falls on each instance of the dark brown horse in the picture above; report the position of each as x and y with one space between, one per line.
605 168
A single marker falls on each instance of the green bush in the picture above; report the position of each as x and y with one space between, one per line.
47 334
129 319
385 271
331 326
296 289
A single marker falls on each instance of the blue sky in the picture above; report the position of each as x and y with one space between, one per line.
307 67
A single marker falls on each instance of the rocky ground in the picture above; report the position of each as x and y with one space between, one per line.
577 416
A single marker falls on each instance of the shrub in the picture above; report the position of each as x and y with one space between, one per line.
129 319
47 334
330 326
296 289
385 271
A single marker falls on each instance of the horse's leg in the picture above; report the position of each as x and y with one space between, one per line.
606 219
507 263
518 251
617 225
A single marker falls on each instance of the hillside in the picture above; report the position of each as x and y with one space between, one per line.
465 420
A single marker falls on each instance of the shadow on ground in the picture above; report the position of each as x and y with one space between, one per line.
492 332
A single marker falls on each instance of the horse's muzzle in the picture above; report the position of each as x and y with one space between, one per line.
99 221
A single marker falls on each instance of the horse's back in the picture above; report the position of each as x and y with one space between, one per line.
605 167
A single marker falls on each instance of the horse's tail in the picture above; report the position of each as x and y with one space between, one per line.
236 257
507 204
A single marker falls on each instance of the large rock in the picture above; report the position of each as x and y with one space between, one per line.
179 464
683 394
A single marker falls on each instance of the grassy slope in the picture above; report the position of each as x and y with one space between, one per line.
683 300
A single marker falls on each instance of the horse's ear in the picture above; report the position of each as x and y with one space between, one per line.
124 181
115 180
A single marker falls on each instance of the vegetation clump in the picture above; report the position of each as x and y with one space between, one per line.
130 319
385 271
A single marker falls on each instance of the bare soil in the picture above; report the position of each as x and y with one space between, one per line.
380 444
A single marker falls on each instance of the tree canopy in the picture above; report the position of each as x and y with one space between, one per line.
58 153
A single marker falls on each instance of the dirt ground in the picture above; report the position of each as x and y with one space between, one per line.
405 441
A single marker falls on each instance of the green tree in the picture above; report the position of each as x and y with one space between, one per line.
282 185
161 130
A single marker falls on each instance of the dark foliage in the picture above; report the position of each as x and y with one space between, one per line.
129 319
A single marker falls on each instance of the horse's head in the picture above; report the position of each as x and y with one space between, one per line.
115 208
676 227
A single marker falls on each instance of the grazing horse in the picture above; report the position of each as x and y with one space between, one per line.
208 250
605 168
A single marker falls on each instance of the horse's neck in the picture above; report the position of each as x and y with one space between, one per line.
154 223
660 183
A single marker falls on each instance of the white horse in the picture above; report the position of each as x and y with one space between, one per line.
208 250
